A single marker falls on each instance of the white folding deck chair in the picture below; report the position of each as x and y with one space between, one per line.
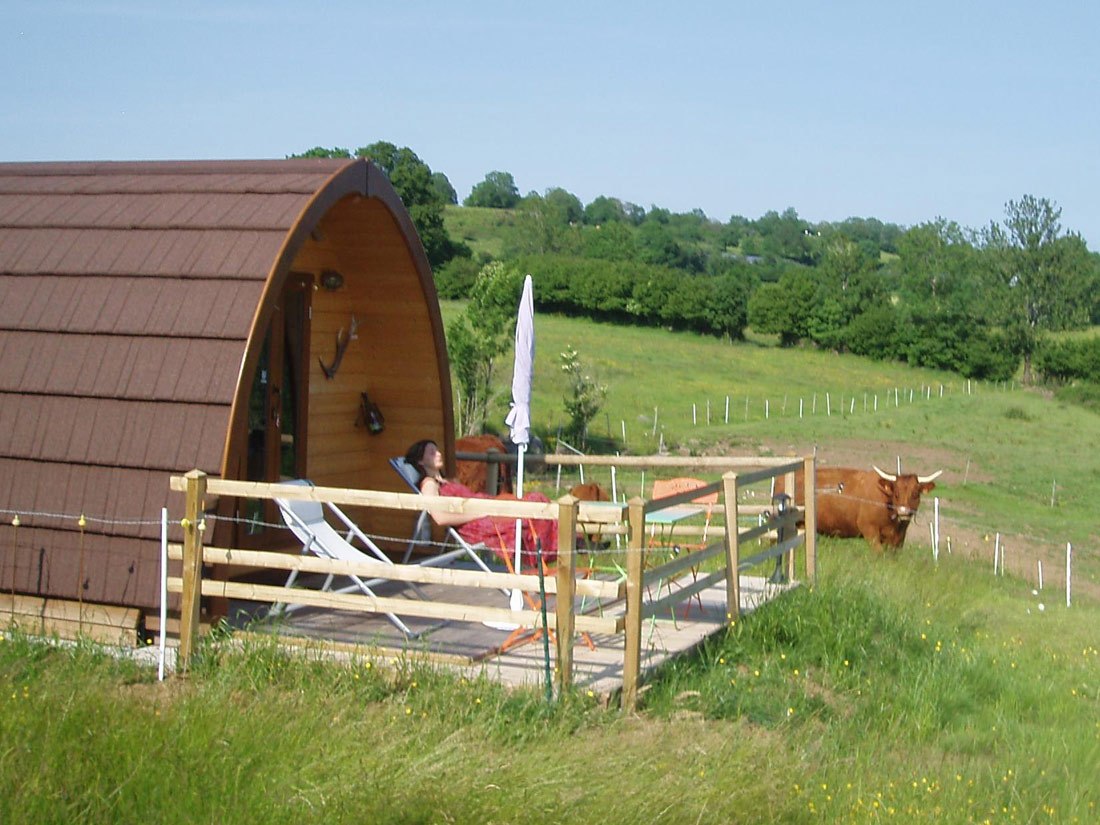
422 533
306 520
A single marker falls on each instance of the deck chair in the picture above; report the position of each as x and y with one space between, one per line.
306 520
422 535
422 532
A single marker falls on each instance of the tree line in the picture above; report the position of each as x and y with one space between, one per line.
977 301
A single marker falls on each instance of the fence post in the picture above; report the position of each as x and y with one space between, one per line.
190 598
1069 567
567 585
788 484
733 549
809 485
492 471
632 654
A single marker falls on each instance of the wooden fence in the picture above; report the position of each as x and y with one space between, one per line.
627 602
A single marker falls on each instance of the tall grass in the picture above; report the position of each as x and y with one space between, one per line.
895 690
912 689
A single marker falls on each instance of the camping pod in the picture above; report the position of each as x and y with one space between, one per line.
259 320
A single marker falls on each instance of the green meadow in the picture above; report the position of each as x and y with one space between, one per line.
1016 462
898 689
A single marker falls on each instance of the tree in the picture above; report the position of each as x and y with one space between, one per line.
1039 277
443 189
733 231
847 286
497 191
477 337
612 241
584 397
942 314
785 235
604 210
412 179
542 226
727 307
784 308
565 205
657 244
322 152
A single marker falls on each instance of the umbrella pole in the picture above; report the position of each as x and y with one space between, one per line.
516 601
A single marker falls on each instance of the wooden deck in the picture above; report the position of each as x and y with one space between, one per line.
474 649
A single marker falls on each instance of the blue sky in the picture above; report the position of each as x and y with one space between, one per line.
900 111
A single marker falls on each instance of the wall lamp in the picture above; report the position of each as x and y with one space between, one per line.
331 280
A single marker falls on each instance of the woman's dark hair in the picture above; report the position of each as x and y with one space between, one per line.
415 455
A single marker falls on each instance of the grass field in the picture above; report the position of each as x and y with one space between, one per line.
479 228
1004 450
896 690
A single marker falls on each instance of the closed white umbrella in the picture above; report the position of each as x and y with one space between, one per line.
519 417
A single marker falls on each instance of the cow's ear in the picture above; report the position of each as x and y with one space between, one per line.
928 486
886 486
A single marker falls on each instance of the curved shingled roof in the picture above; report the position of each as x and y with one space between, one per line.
128 292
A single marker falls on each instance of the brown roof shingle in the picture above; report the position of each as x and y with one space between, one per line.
127 294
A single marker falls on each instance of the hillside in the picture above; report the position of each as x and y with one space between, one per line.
1004 450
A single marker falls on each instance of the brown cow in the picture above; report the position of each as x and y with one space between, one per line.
875 505
473 473
590 491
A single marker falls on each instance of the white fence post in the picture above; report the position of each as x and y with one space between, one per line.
163 588
1069 565
936 523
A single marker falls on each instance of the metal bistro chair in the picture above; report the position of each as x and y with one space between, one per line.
670 516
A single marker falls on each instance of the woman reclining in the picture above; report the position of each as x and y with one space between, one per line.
496 532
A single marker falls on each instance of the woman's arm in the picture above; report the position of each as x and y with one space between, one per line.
430 488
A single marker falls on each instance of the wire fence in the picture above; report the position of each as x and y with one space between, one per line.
738 408
610 545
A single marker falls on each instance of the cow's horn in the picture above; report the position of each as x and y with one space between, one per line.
886 476
926 479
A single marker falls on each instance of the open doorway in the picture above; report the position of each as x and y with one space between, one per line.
277 407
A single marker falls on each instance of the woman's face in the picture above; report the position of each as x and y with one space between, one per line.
433 460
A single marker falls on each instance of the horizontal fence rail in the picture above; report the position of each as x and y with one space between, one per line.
655 579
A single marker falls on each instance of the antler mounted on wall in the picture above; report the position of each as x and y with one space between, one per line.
342 342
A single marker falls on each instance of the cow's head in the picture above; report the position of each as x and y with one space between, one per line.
903 492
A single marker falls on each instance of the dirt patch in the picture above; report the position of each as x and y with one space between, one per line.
1022 555
915 458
